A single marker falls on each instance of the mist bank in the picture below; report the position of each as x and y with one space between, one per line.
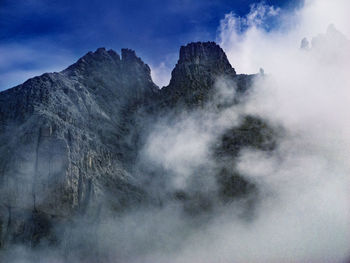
215 167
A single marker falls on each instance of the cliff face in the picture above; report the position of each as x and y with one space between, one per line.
62 136
195 73
68 140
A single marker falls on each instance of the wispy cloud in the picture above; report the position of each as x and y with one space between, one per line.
18 62
304 210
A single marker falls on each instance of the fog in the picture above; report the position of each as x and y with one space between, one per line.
303 213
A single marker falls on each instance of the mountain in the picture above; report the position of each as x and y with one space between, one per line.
70 141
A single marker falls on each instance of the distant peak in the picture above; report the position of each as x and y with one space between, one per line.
331 29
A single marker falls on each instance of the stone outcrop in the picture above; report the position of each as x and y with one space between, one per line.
63 136
195 73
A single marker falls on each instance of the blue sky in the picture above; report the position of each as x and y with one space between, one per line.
37 36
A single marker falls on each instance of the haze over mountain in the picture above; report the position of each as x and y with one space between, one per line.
80 133
99 164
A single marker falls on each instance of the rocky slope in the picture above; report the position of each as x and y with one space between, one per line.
69 141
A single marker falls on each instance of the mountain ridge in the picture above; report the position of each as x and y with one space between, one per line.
70 140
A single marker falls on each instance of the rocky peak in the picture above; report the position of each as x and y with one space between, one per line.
204 53
106 69
101 55
95 61
198 67
132 64
201 60
110 60
129 56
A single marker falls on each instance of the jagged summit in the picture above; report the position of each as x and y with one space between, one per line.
106 68
106 72
101 54
205 53
129 55
198 67
201 59
109 60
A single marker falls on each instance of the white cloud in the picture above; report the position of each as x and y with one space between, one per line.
304 211
308 92
161 74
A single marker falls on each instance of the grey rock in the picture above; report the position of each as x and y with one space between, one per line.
69 140
195 73
63 136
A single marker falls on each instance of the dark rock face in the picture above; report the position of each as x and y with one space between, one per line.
253 133
201 59
68 140
62 137
193 77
